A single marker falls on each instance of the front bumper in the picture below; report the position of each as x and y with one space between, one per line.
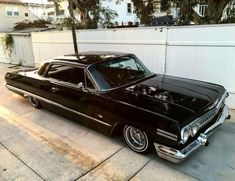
176 156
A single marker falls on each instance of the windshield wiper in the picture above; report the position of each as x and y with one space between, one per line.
136 77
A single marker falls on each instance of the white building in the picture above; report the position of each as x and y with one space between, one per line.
40 8
12 12
124 9
200 9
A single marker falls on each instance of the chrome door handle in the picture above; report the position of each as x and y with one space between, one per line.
55 89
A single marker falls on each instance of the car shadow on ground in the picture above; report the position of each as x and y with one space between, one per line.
214 162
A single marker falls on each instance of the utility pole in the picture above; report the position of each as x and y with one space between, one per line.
73 27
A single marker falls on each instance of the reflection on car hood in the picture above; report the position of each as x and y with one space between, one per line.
177 98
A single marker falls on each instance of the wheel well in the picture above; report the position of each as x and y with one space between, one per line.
117 129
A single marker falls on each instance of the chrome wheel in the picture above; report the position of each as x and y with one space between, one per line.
34 102
136 139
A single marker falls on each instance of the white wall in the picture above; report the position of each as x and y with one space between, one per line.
198 52
50 44
22 50
22 53
204 53
146 43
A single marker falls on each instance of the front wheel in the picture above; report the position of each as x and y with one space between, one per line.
136 139
34 102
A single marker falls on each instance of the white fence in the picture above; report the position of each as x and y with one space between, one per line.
22 50
198 52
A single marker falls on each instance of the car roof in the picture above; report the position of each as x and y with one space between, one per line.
88 58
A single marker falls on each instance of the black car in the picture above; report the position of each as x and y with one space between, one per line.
113 92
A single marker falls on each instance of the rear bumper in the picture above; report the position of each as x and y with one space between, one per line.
176 156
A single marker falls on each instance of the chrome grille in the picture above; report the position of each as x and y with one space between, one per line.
206 118
209 115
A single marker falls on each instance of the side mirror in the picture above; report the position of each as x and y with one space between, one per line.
81 86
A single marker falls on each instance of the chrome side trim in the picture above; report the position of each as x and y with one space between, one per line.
161 134
167 134
176 156
56 104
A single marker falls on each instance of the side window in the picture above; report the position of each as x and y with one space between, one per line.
66 73
89 83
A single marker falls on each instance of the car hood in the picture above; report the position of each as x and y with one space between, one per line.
173 97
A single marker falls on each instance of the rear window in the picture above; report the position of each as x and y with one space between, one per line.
66 73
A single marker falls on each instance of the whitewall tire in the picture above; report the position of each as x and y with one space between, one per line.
34 102
136 139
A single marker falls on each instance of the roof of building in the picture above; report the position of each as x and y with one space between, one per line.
91 57
29 30
11 1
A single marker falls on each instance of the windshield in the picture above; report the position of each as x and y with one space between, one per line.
118 72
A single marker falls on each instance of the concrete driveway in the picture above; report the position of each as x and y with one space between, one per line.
39 145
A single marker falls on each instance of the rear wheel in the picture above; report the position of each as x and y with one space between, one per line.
34 102
136 139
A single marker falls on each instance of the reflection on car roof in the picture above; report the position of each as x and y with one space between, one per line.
88 58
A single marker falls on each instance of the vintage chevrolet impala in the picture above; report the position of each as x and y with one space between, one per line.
114 92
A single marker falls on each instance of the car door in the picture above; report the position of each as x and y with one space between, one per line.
69 91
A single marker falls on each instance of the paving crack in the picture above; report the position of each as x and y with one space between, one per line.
150 159
22 161
100 163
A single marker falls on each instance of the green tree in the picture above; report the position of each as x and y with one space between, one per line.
92 13
57 5
144 10
230 13
213 13
215 10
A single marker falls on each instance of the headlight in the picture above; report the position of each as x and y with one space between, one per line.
186 135
190 130
195 129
